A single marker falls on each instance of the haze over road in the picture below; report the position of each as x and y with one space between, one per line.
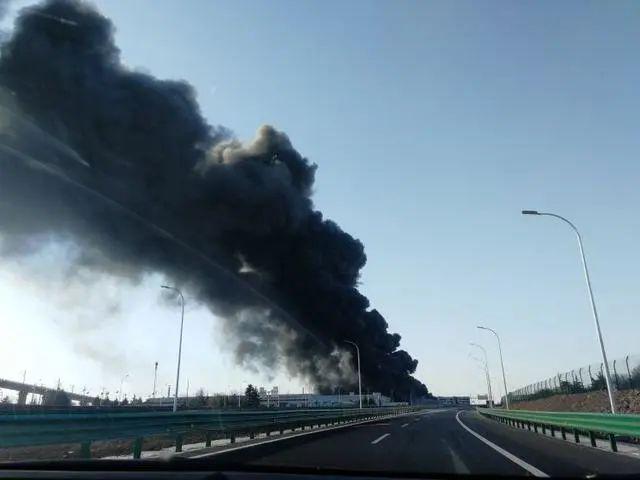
442 441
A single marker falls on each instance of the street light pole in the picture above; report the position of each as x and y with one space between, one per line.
155 380
593 303
486 375
486 363
504 377
359 376
121 383
175 398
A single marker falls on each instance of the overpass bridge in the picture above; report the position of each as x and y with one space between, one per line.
25 388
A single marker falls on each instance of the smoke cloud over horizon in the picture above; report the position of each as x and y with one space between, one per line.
125 166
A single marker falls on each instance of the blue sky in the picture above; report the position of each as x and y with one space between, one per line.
433 124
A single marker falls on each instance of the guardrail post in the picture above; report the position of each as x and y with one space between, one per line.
528 425
207 440
281 431
576 436
85 450
232 438
553 431
179 442
564 433
612 441
544 430
252 435
137 448
592 438
535 427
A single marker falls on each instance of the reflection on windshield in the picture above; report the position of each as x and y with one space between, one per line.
187 285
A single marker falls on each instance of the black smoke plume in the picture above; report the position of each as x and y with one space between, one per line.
125 166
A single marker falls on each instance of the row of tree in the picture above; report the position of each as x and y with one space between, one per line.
251 399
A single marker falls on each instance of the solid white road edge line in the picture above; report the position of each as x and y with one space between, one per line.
380 438
279 439
518 461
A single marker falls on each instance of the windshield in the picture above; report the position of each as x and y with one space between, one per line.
187 189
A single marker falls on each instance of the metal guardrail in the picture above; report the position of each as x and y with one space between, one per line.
47 429
593 424
15 409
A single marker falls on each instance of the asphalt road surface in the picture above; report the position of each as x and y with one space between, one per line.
446 441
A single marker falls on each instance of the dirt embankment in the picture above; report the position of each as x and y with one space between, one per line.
627 401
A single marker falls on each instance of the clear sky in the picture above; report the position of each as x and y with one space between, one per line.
433 124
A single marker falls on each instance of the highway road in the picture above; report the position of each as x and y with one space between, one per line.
446 441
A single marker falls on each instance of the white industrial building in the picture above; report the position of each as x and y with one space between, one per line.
313 400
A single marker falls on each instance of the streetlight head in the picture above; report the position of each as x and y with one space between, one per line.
165 286
530 212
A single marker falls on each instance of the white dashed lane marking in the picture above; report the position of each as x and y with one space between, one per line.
380 438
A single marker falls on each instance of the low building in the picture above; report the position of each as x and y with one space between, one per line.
312 400
479 400
454 401
164 401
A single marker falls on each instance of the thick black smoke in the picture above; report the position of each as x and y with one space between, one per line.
131 172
